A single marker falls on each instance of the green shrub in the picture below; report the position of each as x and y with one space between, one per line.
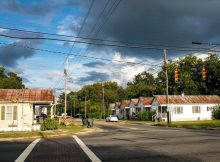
216 112
95 115
144 115
49 124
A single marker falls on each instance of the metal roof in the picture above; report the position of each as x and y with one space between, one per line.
188 99
135 101
125 103
26 95
146 100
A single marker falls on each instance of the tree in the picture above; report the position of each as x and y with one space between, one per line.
142 85
10 80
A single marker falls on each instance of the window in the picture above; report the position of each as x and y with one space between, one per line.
9 113
209 108
15 113
196 109
178 110
3 113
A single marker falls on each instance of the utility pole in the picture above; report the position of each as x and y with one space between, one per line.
74 106
167 91
66 76
85 106
103 100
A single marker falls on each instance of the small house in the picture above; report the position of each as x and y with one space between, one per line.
24 109
184 107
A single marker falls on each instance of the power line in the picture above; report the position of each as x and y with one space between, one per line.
111 45
86 38
64 53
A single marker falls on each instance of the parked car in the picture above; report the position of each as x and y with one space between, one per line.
112 118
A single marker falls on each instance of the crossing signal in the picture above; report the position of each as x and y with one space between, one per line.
203 73
176 76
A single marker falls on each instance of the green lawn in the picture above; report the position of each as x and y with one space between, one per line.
63 130
202 124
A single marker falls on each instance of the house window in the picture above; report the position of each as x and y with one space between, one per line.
9 113
196 109
178 110
3 113
209 108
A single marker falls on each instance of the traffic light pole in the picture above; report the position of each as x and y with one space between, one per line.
167 91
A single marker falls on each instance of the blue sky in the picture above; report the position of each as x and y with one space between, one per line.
159 24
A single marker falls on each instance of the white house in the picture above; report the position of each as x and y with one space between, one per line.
144 103
133 106
185 107
124 109
22 109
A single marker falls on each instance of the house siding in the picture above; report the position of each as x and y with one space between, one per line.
189 115
20 124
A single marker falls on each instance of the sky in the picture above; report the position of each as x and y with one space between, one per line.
153 24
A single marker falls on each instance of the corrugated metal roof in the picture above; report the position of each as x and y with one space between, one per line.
26 95
125 103
146 100
188 99
135 101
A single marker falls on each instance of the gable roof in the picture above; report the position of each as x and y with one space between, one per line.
117 104
134 101
146 100
125 103
188 99
26 95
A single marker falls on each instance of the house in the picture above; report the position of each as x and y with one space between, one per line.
111 108
133 106
23 109
185 107
144 103
124 109
117 108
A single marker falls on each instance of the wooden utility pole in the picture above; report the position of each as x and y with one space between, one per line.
167 91
66 75
85 106
103 100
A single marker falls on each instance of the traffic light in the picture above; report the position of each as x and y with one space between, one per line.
176 76
203 73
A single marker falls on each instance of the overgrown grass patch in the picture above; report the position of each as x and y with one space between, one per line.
202 124
63 130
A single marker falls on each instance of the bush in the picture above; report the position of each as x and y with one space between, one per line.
216 112
144 115
95 115
49 124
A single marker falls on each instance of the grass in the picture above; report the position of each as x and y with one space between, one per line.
63 130
203 124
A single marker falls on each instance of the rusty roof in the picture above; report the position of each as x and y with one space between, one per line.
188 99
117 104
125 103
146 100
26 95
135 101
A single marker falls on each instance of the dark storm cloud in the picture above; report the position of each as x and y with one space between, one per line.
95 76
15 51
158 22
94 64
36 9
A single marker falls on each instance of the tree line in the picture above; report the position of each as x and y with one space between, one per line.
145 84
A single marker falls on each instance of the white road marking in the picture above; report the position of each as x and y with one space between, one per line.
88 152
27 151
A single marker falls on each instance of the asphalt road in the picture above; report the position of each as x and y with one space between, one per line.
123 142
138 142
